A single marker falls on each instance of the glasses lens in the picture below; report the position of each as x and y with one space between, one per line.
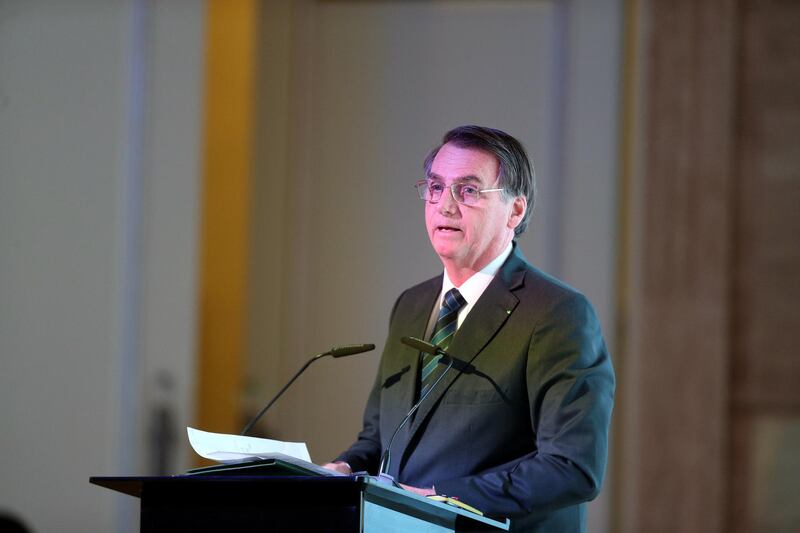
422 189
467 194
430 190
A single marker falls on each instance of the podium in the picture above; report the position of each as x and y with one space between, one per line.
249 503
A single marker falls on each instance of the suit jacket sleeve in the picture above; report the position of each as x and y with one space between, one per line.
570 385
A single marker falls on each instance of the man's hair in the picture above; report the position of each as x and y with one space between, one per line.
517 174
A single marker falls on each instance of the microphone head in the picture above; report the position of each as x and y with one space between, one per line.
421 345
427 347
351 349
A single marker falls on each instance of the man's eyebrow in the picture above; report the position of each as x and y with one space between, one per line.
460 179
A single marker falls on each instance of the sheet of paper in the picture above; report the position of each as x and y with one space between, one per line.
225 448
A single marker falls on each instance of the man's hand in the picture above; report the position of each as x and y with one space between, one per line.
422 492
344 468
339 466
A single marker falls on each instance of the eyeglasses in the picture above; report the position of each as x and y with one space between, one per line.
463 193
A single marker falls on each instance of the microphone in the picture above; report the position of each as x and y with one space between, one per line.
339 351
422 346
426 347
462 366
350 349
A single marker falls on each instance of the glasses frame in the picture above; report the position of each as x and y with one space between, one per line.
453 186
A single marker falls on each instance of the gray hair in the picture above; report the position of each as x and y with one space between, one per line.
517 174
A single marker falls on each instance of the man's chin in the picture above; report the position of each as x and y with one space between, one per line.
447 252
450 239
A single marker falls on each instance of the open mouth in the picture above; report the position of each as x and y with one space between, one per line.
447 229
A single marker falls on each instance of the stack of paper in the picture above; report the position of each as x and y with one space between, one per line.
234 448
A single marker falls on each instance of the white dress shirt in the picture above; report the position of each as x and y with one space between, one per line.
471 289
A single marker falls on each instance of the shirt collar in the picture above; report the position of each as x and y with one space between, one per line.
472 289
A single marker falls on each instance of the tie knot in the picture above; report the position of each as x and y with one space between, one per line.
453 300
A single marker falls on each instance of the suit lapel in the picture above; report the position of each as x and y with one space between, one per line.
491 311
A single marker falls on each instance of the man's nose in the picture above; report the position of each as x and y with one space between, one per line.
448 203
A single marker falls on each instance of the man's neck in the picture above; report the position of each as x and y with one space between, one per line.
460 274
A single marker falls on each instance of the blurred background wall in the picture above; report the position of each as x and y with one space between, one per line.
186 185
100 120
708 423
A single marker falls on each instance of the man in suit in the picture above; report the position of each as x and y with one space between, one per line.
522 432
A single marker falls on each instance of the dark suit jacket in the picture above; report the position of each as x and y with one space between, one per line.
525 436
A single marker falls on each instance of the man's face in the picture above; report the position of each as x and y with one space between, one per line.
469 237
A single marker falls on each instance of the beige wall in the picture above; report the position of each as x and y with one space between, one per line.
99 107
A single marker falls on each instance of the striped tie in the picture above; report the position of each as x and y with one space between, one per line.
443 333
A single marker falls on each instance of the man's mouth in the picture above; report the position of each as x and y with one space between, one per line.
447 228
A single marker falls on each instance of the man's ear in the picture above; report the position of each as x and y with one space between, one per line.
518 207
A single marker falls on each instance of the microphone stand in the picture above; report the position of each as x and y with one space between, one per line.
386 460
333 352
